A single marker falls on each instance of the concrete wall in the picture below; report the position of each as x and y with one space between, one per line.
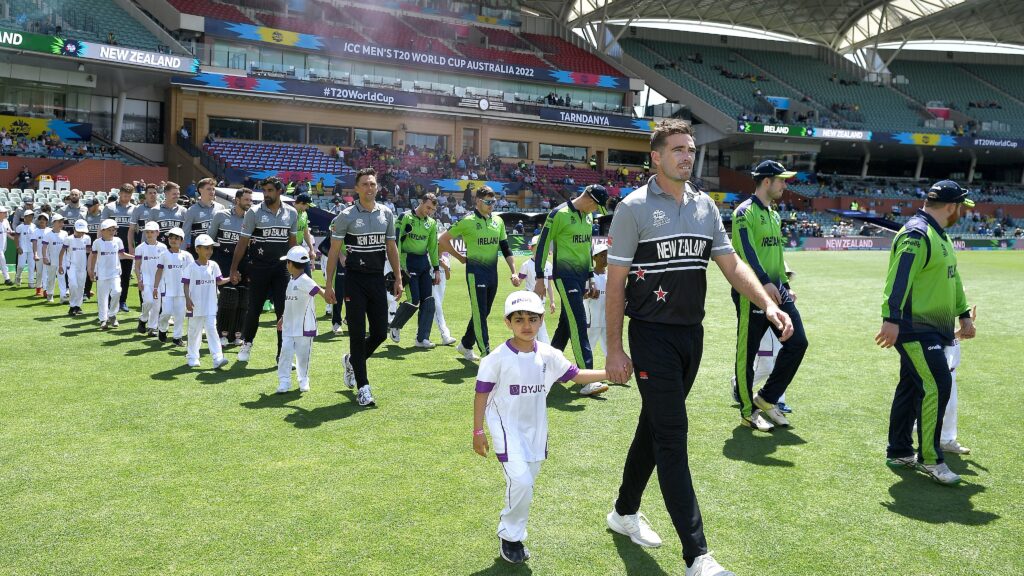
84 174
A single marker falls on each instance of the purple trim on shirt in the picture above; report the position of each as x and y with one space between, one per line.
188 314
184 280
569 374
159 266
484 387
502 457
121 251
137 256
516 350
314 292
765 353
219 278
309 332
521 275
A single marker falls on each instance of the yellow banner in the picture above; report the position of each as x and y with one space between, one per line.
19 126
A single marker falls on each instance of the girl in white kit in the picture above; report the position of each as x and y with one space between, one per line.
512 386
5 233
105 271
147 258
53 243
596 330
298 324
528 274
171 291
200 280
27 249
73 263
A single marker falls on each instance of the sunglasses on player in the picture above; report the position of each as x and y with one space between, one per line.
489 202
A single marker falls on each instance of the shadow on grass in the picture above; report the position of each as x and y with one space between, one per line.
303 418
393 351
635 559
757 447
501 567
566 400
463 375
917 497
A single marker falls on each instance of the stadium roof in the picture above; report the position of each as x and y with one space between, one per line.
843 25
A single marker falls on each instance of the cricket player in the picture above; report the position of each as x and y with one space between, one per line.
923 297
417 245
225 229
105 270
121 211
169 214
5 233
147 257
298 324
528 275
199 281
484 236
28 248
40 229
512 386
73 261
174 261
199 215
53 243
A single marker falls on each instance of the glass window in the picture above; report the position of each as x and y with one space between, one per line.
235 128
329 136
557 152
281 132
373 137
507 149
101 115
154 122
272 60
430 141
627 157
133 128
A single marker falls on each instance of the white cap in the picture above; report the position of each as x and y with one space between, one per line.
57 216
534 241
81 225
27 213
600 248
43 215
151 225
3 209
177 232
297 254
525 300
108 223
27 198
204 240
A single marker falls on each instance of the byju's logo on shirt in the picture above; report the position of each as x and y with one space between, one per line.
517 390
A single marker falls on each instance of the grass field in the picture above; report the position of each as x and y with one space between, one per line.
115 458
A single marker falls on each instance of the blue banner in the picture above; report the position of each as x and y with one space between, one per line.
333 92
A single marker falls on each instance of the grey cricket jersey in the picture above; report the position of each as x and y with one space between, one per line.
667 246
225 226
167 218
365 234
122 214
197 220
269 233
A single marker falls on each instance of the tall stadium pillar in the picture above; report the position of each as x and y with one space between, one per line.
864 166
920 164
700 160
974 164
119 118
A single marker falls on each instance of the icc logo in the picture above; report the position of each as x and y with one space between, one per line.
19 128
277 36
926 139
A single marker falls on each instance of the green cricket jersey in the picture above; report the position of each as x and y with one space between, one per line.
483 237
923 292
757 238
569 232
417 236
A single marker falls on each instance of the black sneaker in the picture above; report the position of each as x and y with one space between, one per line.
78 311
141 329
71 311
8 283
162 337
513 552
178 342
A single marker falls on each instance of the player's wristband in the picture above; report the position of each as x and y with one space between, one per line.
478 432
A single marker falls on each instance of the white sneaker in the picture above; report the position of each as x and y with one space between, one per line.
594 388
303 386
757 421
193 363
223 341
954 447
941 473
283 388
244 352
771 411
636 527
103 325
350 374
395 334
336 328
238 340
328 310
707 566
364 397
217 364
902 462
424 344
114 323
447 340
467 353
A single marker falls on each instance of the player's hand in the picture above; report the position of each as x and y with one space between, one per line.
437 278
46 261
887 334
480 444
312 255
967 330
92 276
60 271
329 296
773 293
540 289
460 258
20 251
397 290
36 257
515 280
792 295
551 305
155 293
619 366
188 305
780 320
141 287
280 323
235 277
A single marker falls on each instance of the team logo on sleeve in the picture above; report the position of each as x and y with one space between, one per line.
658 218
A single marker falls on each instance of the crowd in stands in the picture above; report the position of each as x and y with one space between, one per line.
49 145
984 104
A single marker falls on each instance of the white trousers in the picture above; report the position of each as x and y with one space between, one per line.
764 362
40 276
108 295
196 326
301 349
25 262
51 277
172 306
438 292
519 480
150 306
598 335
948 434
76 286
3 265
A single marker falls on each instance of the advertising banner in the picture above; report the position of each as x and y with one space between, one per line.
777 129
72 48
595 119
32 127
401 57
334 92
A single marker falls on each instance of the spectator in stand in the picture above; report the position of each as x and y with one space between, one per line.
24 179
209 138
111 39
190 192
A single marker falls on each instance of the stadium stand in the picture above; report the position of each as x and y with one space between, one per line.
209 9
99 21
506 56
437 28
567 56
246 155
498 37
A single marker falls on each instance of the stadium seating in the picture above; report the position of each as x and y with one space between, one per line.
210 9
566 56
261 156
437 28
503 38
1006 78
506 56
91 21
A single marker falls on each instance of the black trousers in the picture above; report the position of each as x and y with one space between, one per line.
265 283
750 329
126 279
366 300
923 391
665 361
339 294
